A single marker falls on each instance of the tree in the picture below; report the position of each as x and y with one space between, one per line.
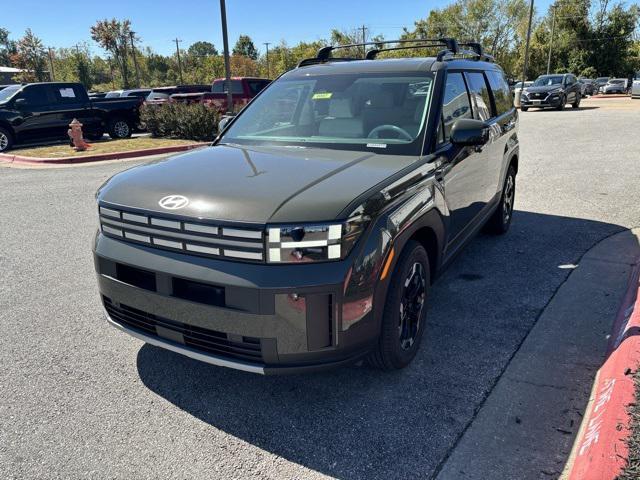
497 24
30 57
245 47
113 35
202 49
8 47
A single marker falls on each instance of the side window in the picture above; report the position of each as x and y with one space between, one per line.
66 94
480 95
256 85
455 103
221 87
35 96
501 93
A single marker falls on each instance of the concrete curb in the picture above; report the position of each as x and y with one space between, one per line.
600 449
23 160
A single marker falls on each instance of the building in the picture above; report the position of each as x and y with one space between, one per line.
6 75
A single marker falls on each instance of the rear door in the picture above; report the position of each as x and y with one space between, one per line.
489 155
505 119
72 102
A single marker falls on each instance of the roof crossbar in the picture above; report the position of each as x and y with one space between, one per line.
325 52
371 54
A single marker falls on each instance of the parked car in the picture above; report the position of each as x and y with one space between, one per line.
308 235
114 94
615 85
38 112
589 86
635 88
601 82
97 95
163 94
243 89
136 92
553 91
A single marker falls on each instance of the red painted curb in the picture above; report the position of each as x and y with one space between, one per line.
18 159
600 450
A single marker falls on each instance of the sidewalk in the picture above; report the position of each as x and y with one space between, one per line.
527 425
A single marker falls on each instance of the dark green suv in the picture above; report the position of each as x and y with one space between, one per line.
308 234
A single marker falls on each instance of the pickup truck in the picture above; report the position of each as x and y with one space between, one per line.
243 89
40 112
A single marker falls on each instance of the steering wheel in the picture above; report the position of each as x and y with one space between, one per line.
400 131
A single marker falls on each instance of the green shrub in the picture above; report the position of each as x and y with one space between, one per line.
179 120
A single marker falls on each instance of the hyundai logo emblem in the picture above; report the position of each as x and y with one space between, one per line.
173 202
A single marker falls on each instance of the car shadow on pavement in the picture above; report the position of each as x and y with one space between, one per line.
357 422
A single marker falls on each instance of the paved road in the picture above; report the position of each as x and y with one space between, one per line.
79 399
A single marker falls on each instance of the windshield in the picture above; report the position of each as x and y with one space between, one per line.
8 92
348 111
547 81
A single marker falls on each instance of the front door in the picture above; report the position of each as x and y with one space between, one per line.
37 120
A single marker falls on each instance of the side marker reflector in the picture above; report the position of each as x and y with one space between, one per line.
387 264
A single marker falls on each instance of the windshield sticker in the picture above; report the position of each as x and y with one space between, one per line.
377 145
322 96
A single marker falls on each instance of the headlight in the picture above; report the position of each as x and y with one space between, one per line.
314 243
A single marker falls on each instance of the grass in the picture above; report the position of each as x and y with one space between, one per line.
632 469
102 146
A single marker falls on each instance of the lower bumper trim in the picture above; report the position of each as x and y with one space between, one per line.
211 359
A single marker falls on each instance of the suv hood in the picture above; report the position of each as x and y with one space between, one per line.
543 89
254 184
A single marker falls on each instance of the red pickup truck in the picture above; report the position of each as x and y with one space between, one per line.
243 89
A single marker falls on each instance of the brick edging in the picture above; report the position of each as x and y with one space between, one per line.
24 160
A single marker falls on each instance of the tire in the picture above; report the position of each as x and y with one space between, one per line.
562 104
500 221
119 128
576 104
401 332
6 140
524 109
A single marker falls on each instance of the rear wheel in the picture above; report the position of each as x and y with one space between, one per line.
6 140
119 128
501 219
404 314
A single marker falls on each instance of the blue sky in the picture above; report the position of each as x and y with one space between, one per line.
63 24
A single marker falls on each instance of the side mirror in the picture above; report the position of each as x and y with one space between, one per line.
468 132
223 122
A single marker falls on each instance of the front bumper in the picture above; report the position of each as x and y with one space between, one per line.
553 100
254 317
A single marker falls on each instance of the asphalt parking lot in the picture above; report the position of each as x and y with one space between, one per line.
80 399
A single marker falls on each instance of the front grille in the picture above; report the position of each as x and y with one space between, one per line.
198 338
538 96
191 236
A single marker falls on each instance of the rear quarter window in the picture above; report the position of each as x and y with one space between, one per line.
501 93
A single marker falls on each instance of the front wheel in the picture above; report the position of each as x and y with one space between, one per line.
563 102
119 128
6 140
524 109
501 219
405 310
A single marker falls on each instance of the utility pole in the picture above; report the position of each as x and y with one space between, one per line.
179 62
135 60
227 66
364 40
52 75
113 79
266 44
553 26
526 48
